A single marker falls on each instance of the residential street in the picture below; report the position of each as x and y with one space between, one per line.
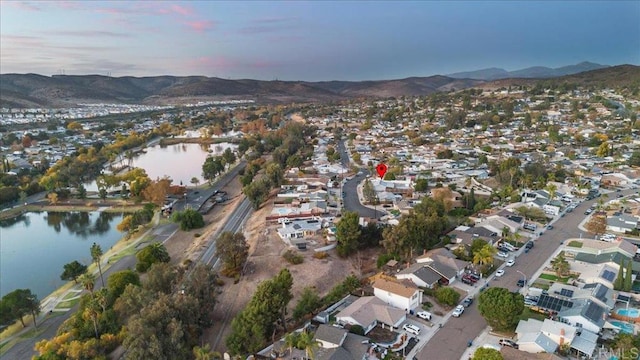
451 341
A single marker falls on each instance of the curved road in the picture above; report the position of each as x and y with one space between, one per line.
350 192
450 342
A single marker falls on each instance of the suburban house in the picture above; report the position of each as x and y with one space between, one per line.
369 311
585 314
599 252
597 292
298 229
339 344
622 223
436 266
401 294
535 336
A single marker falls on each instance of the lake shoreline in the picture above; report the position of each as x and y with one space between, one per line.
86 205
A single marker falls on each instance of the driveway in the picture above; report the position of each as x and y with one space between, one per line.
451 341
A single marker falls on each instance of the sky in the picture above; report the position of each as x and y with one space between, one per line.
312 41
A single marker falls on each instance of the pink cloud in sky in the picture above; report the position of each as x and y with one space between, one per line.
22 5
182 10
200 25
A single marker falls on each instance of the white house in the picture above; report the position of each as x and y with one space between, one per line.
400 294
585 314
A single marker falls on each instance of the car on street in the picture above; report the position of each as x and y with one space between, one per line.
510 263
529 244
589 211
521 283
412 329
507 342
503 254
467 302
550 227
457 311
424 315
499 273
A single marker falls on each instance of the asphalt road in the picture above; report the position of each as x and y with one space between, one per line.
196 197
451 341
350 197
233 224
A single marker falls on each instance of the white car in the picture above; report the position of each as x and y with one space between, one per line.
424 315
458 311
410 328
503 254
499 273
511 262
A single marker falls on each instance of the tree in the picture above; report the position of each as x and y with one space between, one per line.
195 181
482 353
88 281
156 191
628 277
308 343
484 256
291 341
96 254
228 157
233 250
448 296
257 192
150 255
347 233
626 346
19 303
308 303
82 192
203 352
72 270
501 308
421 185
188 219
596 225
274 173
53 198
619 281
369 192
560 265
119 280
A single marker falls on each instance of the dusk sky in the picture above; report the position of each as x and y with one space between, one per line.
319 40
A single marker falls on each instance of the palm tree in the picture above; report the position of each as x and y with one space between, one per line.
291 340
195 181
484 256
96 254
308 343
560 265
203 352
92 311
88 281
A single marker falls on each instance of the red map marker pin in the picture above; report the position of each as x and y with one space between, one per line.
381 169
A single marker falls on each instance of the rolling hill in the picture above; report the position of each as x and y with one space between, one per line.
32 90
535 72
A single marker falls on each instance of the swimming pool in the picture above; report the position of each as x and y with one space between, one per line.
631 312
624 327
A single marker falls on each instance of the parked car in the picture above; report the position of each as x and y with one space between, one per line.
521 283
507 342
529 244
467 302
511 263
499 273
424 315
458 311
550 227
412 329
503 254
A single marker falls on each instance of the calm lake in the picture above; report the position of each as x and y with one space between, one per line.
35 246
180 162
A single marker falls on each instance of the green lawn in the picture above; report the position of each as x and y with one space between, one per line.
549 277
575 244
67 304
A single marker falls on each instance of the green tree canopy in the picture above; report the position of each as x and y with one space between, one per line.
233 250
446 295
150 255
72 271
120 279
487 354
501 308
188 219
348 233
308 303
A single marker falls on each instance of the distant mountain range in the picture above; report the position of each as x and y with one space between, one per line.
32 90
536 72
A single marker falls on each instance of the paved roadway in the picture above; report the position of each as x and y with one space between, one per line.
350 197
451 341
233 224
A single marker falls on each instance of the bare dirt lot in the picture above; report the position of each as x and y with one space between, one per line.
265 261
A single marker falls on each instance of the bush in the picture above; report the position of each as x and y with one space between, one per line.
292 257
188 219
321 255
448 296
357 329
384 258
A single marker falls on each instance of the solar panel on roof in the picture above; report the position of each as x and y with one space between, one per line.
553 303
593 312
608 275
566 292
601 293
